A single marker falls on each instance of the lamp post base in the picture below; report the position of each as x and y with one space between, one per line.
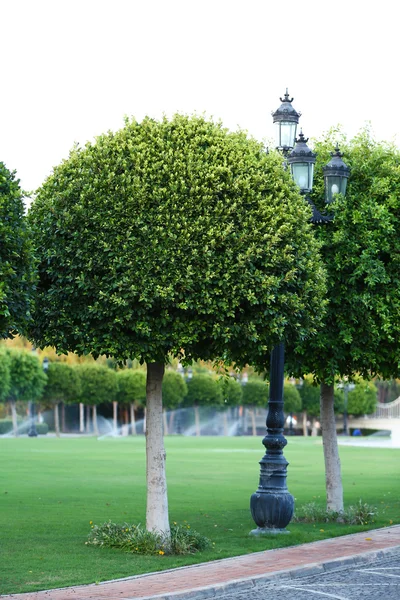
272 505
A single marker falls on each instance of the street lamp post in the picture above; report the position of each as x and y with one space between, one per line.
32 426
272 505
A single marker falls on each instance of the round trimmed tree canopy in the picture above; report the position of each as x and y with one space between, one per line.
174 237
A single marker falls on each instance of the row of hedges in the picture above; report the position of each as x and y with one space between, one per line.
6 426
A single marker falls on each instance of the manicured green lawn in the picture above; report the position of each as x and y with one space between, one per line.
51 488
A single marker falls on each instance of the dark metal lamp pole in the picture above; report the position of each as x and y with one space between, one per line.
272 505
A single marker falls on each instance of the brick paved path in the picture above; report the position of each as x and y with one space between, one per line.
226 571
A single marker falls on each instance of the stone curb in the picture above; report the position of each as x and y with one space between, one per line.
253 582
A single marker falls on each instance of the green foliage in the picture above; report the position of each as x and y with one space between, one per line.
291 398
63 383
16 259
98 384
203 390
4 374
27 379
361 252
362 400
131 387
359 514
6 426
174 238
310 396
232 392
136 539
255 393
174 389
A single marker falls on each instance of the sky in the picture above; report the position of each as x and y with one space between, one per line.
72 70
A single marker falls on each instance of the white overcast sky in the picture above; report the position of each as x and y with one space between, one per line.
72 69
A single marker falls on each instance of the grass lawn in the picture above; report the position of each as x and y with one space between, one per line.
51 488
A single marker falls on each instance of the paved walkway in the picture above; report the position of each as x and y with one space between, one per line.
211 580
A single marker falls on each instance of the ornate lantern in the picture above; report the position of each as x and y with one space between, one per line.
286 120
336 174
301 161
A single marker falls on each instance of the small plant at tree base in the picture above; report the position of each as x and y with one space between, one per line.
136 539
360 514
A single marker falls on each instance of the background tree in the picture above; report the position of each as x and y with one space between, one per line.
4 374
292 401
173 238
310 401
362 400
232 395
63 385
255 393
174 390
361 252
98 385
16 260
132 391
202 390
27 380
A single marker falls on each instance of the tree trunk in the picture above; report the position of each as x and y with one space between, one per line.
157 500
314 428
81 417
165 422
197 419
253 421
95 426
245 420
56 420
14 418
225 422
333 476
133 422
305 428
87 418
63 417
115 417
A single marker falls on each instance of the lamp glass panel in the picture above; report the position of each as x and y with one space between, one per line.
334 184
277 126
288 134
300 173
310 175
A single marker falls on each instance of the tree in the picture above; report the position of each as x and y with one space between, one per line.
362 399
255 393
310 399
27 380
98 385
202 390
231 396
4 374
63 385
173 238
132 391
16 260
361 252
174 390
292 402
